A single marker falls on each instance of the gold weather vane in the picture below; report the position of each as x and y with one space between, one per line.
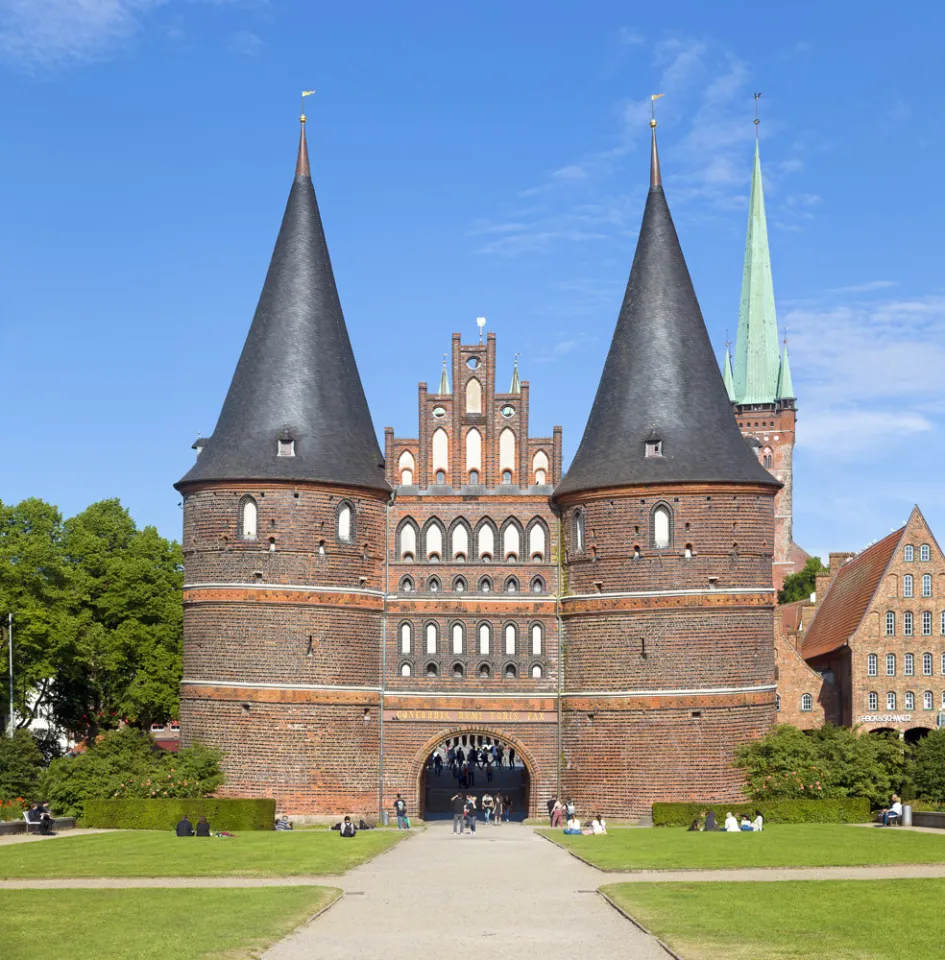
653 98
305 93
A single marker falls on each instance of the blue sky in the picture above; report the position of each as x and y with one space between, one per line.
488 161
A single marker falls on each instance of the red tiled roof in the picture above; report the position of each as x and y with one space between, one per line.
848 597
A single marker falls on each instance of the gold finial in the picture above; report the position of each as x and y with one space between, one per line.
305 93
757 120
656 179
302 168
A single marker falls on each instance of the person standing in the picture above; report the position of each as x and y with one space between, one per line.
459 812
511 756
471 813
499 808
400 809
557 812
487 806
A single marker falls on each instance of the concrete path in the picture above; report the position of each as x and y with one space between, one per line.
34 837
505 891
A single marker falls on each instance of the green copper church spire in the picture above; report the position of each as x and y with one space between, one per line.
757 357
727 374
444 380
785 384
516 383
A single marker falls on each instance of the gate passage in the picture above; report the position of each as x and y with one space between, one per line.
476 764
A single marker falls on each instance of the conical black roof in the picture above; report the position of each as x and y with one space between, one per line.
660 381
296 377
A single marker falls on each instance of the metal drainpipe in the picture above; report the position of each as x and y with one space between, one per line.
380 767
560 642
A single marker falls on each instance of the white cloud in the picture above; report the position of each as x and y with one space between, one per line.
630 38
246 43
867 287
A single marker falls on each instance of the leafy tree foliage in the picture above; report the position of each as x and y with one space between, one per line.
928 769
799 586
831 762
128 763
21 765
98 623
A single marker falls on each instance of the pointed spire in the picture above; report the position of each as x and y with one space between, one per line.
727 374
302 168
656 179
785 383
660 382
444 380
756 347
297 375
516 383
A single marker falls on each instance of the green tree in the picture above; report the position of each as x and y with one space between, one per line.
928 767
799 586
21 767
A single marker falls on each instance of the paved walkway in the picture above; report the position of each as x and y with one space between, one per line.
505 891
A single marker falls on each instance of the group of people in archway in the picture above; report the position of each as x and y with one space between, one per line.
463 756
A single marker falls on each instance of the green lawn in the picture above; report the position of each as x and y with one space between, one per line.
147 853
151 924
792 920
800 845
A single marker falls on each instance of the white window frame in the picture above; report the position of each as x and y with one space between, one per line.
926 623
908 553
807 703
926 584
908 665
909 700
908 586
891 700
890 664
872 702
872 665
925 553
908 624
926 664
928 701
890 623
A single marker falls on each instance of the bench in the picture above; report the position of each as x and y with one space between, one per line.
30 823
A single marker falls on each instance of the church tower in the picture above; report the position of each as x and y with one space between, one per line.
668 528
284 538
761 389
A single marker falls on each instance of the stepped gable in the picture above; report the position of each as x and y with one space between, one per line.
660 380
296 378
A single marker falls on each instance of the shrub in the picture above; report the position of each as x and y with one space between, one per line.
128 764
928 767
21 767
840 810
166 814
13 809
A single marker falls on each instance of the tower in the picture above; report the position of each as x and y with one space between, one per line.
284 537
762 391
668 525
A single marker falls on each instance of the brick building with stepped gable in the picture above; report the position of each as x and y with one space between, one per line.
345 612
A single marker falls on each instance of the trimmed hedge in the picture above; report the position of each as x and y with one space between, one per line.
841 810
166 814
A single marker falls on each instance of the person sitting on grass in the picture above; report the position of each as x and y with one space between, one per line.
598 825
893 812
348 828
283 823
731 824
203 828
694 827
573 827
185 828
758 824
711 823
745 824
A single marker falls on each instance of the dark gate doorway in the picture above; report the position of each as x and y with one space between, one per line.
476 764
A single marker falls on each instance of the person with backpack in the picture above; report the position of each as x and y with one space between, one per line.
400 810
347 828
459 812
471 813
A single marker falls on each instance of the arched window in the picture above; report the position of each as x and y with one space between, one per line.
459 585
941 628
473 453
890 700
485 541
485 636
345 522
662 526
406 585
536 540
484 671
474 477
927 701
441 450
687 551
908 553
926 584
408 540
458 636
537 639
407 467
248 518
872 702
925 553
927 664
485 585
506 476
907 624
460 541
432 670
511 585
434 541
431 637
458 672
890 623
536 671
908 665
433 585
926 623
511 542
406 637
807 703
910 701
579 530
405 670
507 453
510 672
890 664
473 396
540 467
440 477
511 636
872 665
907 588
538 585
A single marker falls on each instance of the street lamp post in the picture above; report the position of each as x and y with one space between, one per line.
10 640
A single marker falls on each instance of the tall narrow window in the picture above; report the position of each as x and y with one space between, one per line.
910 701
579 530
890 701
507 452
536 542
925 553
661 527
485 585
473 396
538 585
473 453
434 542
537 638
926 585
908 665
907 624
459 585
406 636
486 542
926 623
927 664
890 623
510 636
460 542
927 701
511 585
890 664
248 518
441 451
907 589
408 542
941 625
536 671
344 522
431 637
908 553
406 466
457 639
485 635
540 467
872 701
405 670
511 542
872 665
807 703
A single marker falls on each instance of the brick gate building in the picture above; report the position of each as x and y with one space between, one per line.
346 611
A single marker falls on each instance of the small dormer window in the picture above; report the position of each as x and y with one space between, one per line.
653 448
286 444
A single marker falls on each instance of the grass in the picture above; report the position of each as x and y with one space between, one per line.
800 845
791 920
151 924
147 853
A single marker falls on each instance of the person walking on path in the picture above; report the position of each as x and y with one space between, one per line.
471 813
459 812
487 806
437 763
557 812
400 809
